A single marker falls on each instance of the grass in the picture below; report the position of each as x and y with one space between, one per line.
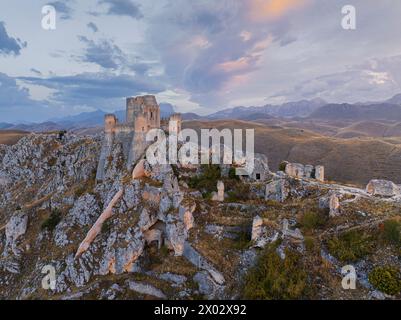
392 232
274 278
313 220
351 246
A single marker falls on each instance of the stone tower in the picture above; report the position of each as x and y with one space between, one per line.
142 115
143 112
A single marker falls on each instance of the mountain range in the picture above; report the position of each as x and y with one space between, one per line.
303 110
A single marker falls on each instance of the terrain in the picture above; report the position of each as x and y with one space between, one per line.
353 160
167 237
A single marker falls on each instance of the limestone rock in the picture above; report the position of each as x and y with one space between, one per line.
334 205
219 196
146 289
277 190
257 228
382 188
287 232
15 228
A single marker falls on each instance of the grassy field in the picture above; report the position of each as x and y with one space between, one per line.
10 137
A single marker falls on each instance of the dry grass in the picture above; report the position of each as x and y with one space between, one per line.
10 137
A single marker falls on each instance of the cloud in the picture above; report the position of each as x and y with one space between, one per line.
121 8
36 71
93 27
63 8
262 10
98 90
103 53
9 45
374 79
16 103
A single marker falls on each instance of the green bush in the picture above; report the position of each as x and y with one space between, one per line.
313 220
52 221
274 278
232 175
392 232
207 180
351 246
282 166
386 279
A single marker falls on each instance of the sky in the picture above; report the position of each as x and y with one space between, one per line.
199 55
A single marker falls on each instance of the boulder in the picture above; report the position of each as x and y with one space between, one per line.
382 188
277 190
257 228
334 205
287 232
219 196
15 228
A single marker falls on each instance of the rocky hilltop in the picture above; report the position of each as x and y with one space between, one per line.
186 232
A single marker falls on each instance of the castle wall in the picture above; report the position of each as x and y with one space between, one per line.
142 114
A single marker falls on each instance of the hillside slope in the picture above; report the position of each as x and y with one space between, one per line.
347 160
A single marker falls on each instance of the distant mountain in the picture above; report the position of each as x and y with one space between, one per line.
287 110
395 100
5 125
345 111
80 121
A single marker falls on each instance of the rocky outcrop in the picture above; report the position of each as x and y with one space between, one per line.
97 227
15 228
382 188
219 195
277 190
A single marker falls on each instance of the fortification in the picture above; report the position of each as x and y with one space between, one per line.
142 115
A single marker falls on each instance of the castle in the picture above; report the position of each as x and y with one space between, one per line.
142 115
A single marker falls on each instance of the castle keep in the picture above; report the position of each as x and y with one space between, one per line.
142 115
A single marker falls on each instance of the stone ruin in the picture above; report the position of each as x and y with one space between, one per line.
142 115
301 171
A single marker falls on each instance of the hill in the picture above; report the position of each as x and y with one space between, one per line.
10 137
354 160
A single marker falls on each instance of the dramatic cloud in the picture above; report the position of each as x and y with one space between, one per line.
374 79
97 90
122 8
63 8
9 45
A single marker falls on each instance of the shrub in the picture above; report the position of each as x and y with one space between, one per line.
274 278
386 279
239 192
232 175
309 244
106 226
313 220
207 180
392 231
351 246
52 221
282 166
